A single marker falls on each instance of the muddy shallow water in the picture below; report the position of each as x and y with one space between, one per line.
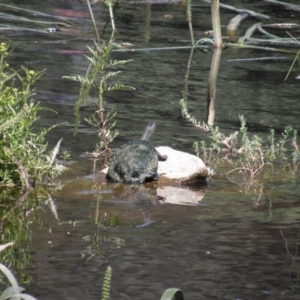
237 243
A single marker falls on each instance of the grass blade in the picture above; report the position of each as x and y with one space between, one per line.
11 278
172 292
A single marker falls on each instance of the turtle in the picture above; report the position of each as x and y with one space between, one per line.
136 161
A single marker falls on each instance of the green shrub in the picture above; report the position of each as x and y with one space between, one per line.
23 158
249 153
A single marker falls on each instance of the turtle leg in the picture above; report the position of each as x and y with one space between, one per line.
161 157
150 177
112 175
131 180
156 177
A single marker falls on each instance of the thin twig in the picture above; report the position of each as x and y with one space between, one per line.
21 169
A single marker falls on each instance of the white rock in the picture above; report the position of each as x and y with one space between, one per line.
180 166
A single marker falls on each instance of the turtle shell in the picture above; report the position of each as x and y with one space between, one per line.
135 162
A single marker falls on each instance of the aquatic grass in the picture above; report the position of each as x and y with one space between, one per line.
172 293
189 19
212 75
248 34
269 49
100 71
288 6
18 28
262 58
216 24
212 86
217 42
295 59
37 13
106 284
197 46
187 115
234 24
282 42
24 19
169 294
20 210
35 18
294 272
93 21
108 3
246 41
247 153
241 11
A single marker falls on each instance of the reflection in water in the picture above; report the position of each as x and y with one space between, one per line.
183 196
219 251
224 249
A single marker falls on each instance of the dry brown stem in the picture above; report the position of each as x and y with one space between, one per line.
21 169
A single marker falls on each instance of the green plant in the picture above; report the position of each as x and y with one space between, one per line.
249 153
97 76
23 157
99 73
106 284
14 291
169 294
186 115
294 272
66 156
172 293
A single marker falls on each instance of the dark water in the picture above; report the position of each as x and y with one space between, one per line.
242 244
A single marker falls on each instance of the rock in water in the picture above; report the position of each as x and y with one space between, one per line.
135 162
181 167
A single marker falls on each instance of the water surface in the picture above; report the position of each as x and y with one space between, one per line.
240 244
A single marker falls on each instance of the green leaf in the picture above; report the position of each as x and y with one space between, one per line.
91 59
78 78
172 292
93 52
24 296
120 62
111 74
11 278
8 293
116 87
